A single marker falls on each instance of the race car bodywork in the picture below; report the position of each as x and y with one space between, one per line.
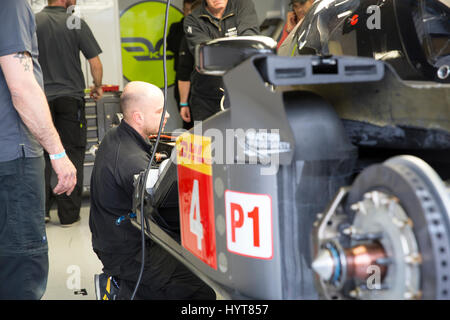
299 189
412 37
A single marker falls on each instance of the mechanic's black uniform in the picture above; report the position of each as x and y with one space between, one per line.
123 154
176 34
186 65
186 61
239 19
174 43
59 56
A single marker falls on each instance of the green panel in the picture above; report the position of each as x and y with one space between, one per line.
142 31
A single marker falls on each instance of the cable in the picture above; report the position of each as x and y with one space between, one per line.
171 138
161 125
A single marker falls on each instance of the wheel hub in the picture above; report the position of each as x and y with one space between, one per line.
371 248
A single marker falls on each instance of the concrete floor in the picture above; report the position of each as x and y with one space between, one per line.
73 263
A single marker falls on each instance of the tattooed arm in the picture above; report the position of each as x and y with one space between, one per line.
24 60
30 102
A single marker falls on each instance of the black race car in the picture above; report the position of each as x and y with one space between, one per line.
409 112
302 189
413 36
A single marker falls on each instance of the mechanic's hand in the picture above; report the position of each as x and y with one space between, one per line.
67 176
96 93
291 21
185 113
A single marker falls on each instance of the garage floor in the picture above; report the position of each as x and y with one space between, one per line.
73 263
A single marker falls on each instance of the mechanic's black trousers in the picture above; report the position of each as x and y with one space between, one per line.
203 107
70 121
164 277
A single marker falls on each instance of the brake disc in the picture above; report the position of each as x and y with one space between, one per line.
388 237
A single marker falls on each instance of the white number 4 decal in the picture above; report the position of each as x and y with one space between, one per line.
195 224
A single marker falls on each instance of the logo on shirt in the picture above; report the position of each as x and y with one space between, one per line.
142 31
231 32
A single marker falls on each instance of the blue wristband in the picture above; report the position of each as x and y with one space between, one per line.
184 104
57 156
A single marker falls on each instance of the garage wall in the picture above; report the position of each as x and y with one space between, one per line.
104 22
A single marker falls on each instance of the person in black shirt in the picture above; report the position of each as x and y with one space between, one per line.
60 44
174 44
124 153
215 19
186 66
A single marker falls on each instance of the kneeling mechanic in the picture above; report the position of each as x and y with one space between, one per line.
125 152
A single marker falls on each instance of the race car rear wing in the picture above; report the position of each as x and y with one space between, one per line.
287 71
219 56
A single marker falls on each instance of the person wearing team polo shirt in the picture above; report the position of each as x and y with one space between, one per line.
214 19
60 45
124 153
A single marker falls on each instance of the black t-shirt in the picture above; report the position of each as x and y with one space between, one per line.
176 34
123 153
61 37
186 62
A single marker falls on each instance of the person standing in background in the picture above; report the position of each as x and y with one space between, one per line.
186 65
60 44
26 126
211 20
299 8
174 40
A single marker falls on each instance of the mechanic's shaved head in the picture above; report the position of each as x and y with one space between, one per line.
142 105
138 95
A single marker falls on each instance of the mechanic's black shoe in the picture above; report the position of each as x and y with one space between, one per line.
68 225
106 288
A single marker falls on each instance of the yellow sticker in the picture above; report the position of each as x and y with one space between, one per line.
194 152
